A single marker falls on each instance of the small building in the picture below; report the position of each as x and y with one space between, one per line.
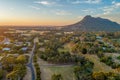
24 48
6 41
104 48
98 37
6 49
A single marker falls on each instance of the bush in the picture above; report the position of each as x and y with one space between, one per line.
56 77
35 58
118 57
84 50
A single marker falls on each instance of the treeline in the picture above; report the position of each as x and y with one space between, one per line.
37 68
52 55
92 47
36 65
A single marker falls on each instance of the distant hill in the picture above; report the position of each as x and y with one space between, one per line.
89 23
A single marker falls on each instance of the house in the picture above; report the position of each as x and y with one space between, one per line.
6 41
24 48
6 49
104 48
98 37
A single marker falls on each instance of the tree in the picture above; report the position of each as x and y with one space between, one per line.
21 59
8 63
99 76
18 72
84 50
77 72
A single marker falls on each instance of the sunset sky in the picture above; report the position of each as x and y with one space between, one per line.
56 12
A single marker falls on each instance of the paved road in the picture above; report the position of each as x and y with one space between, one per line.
30 65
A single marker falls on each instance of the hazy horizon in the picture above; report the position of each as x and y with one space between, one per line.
55 12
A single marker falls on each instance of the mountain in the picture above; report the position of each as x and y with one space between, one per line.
89 23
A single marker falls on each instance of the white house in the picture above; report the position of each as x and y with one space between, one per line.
6 49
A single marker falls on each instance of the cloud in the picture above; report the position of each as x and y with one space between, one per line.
117 5
46 3
76 2
86 1
113 2
62 12
88 10
107 12
109 9
93 1
34 7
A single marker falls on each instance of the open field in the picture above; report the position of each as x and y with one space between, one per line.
47 70
65 71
